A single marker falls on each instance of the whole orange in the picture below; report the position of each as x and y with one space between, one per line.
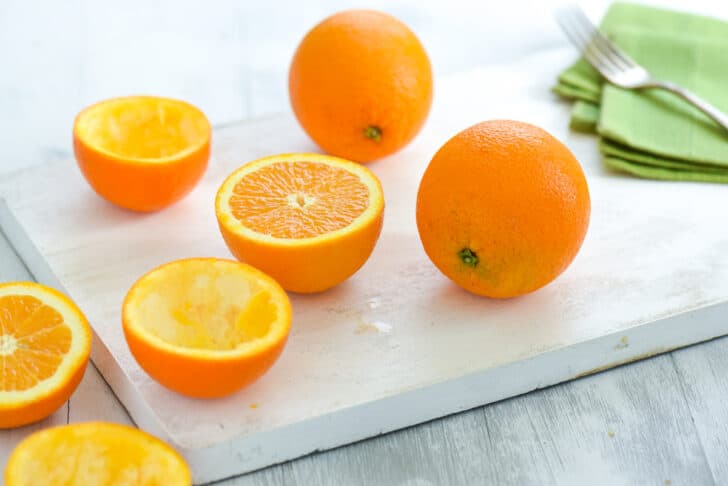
503 208
361 84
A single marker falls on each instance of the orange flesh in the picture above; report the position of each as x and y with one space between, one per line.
33 341
201 305
143 128
295 200
95 453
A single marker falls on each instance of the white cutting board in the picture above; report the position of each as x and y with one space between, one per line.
397 344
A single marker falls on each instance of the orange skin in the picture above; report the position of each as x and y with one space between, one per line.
11 417
360 84
20 414
311 268
139 185
199 378
503 208
195 376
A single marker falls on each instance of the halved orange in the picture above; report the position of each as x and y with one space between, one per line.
310 221
142 152
95 453
206 327
45 343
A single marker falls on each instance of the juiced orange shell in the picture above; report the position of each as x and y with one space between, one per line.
140 152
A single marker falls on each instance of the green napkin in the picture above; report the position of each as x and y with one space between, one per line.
653 133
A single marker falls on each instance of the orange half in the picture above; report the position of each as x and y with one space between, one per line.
142 152
45 343
95 453
206 327
310 221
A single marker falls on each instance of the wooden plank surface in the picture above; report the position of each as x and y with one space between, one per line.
626 426
703 374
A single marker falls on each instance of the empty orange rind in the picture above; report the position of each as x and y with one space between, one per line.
95 453
206 327
142 152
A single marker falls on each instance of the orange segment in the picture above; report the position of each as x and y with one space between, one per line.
35 341
206 327
142 152
298 199
44 347
95 453
308 220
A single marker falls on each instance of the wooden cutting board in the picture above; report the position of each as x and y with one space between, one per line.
397 344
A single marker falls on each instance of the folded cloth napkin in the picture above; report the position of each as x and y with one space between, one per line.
653 133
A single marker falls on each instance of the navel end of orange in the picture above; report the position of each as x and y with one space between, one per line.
518 218
373 133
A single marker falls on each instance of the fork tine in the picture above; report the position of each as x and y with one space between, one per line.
587 32
583 40
562 19
620 58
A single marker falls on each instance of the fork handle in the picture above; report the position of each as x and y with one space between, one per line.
709 109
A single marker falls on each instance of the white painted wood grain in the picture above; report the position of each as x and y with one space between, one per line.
703 375
627 426
94 400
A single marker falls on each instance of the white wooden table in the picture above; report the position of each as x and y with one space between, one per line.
659 421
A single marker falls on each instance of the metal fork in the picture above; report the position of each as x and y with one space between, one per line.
617 67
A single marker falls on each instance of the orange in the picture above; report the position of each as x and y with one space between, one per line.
45 343
95 453
360 84
310 221
206 327
142 152
503 208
